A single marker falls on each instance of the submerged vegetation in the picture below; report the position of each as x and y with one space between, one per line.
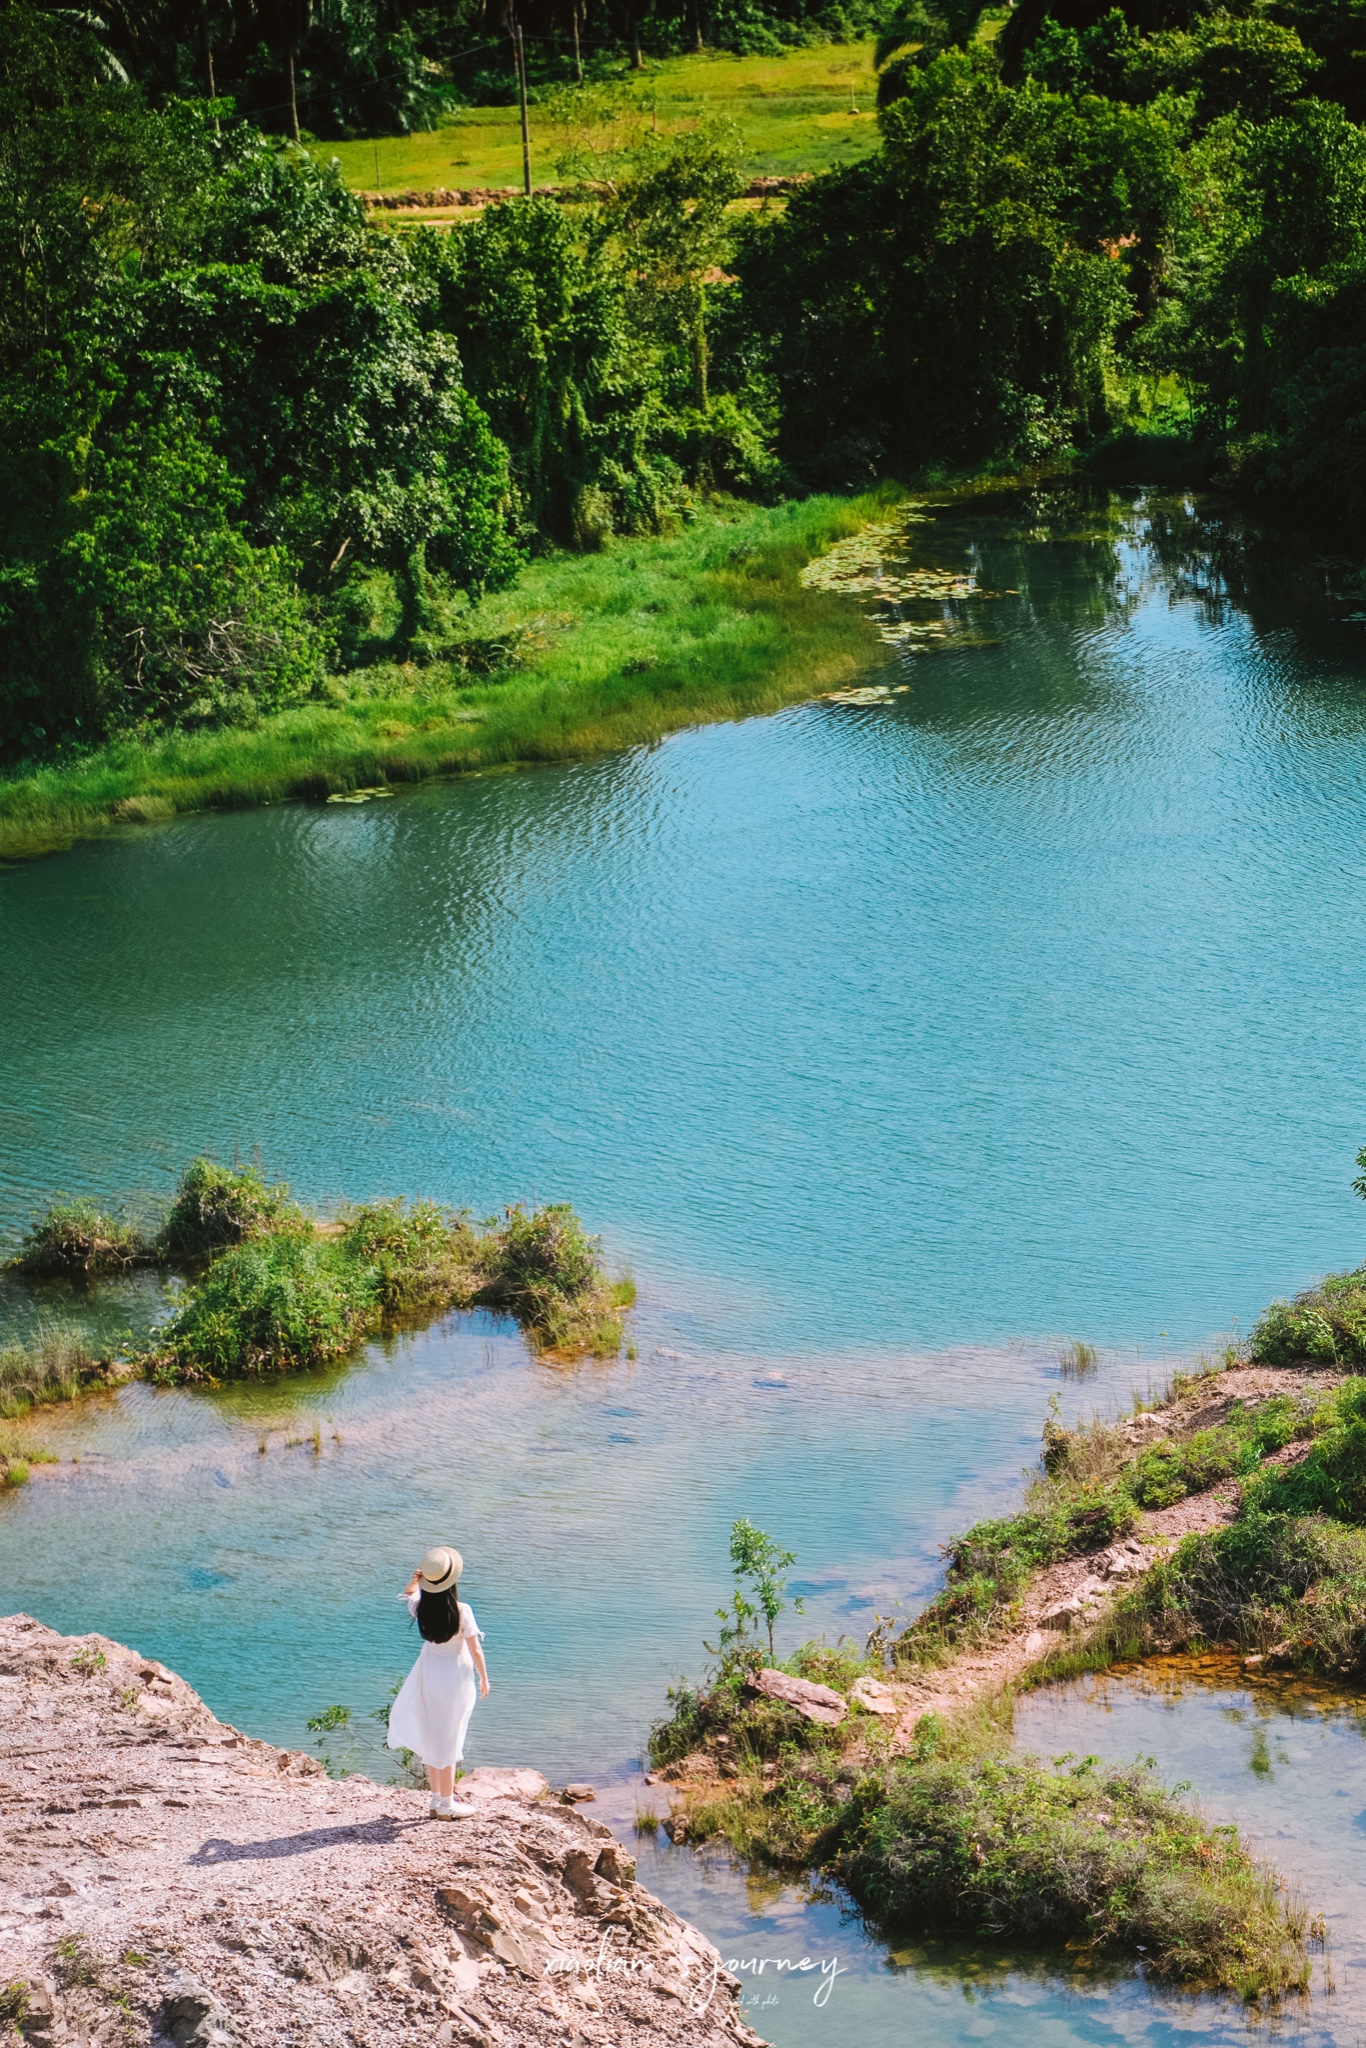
270 1289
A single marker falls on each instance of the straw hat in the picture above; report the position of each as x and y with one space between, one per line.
439 1569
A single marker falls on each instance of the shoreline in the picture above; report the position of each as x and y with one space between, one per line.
585 655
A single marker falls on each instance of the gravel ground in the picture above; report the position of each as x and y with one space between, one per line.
165 1879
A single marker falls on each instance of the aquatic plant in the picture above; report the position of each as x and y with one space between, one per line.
273 1304
55 1365
1077 1361
218 1206
542 1267
79 1239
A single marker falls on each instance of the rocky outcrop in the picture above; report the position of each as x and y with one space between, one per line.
165 1879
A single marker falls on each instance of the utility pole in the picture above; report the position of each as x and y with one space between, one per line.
521 94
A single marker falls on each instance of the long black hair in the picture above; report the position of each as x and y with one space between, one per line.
438 1614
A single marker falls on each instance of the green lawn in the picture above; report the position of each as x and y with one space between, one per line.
804 111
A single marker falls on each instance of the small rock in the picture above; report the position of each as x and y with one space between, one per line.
575 1795
490 1782
874 1697
812 1702
193 2017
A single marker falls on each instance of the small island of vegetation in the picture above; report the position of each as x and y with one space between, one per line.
266 1287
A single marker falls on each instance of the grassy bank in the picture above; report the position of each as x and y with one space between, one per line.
588 653
901 1782
803 111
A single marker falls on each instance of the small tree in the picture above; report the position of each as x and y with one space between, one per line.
757 1563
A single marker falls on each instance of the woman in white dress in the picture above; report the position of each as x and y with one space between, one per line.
432 1711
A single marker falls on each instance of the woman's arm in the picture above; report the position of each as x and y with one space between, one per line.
411 1587
477 1652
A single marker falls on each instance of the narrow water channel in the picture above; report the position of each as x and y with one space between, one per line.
890 1046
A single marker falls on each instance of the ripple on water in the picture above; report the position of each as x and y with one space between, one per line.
871 1037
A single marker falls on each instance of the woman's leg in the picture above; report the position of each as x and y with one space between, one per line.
441 1779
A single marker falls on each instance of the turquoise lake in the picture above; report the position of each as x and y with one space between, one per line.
891 1048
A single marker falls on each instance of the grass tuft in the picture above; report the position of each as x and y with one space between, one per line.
219 1206
56 1366
81 1240
547 1271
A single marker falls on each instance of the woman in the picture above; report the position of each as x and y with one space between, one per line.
432 1711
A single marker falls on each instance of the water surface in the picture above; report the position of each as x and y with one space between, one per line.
891 1047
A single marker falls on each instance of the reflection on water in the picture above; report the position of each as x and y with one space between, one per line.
896 1049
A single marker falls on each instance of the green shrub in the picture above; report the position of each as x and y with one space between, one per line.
80 1238
543 1258
1326 1325
417 1255
1101 1856
217 1206
544 1268
1295 1585
271 1305
1331 1479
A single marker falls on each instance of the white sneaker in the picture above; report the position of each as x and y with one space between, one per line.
456 1810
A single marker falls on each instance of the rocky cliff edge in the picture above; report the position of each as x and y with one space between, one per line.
167 1882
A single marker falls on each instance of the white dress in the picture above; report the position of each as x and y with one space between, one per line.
433 1708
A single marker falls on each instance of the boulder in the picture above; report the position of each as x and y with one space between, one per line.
874 1697
812 1702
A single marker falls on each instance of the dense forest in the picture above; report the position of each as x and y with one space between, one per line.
250 440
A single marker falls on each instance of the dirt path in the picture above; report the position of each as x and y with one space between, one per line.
1076 1593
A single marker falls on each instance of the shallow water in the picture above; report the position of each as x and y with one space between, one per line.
890 1047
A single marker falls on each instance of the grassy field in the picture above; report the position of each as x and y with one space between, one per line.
606 651
804 111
